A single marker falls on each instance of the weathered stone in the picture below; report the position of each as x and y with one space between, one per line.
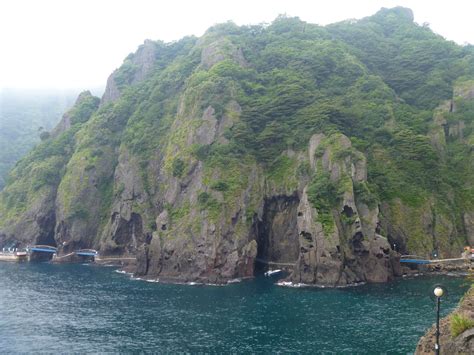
314 143
220 50
143 60
206 132
325 259
65 122
112 92
468 219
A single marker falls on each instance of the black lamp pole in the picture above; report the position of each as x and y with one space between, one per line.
438 291
438 303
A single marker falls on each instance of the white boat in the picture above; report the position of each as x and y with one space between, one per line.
272 272
14 256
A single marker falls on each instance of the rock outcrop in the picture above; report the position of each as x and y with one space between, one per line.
134 70
349 250
85 102
462 343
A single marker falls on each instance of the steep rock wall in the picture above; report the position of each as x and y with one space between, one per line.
207 156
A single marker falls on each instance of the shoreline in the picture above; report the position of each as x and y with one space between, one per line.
125 266
283 283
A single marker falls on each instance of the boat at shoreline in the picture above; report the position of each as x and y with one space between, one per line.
272 272
16 256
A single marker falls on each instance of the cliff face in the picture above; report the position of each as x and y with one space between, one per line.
345 248
255 145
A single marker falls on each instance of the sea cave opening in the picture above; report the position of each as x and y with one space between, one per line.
277 234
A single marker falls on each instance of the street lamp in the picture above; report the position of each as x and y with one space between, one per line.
438 292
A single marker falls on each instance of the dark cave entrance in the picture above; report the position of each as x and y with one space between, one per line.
47 224
397 244
277 234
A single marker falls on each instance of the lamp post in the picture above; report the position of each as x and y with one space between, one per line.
438 292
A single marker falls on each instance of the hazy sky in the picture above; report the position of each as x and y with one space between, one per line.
78 43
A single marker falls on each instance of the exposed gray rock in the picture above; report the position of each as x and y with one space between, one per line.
353 252
65 122
438 131
78 201
468 219
277 235
464 91
142 61
456 130
227 120
314 143
62 126
36 225
206 132
219 50
112 92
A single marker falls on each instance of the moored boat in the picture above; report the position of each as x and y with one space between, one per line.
272 272
14 256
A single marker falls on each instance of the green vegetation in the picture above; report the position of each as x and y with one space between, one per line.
85 107
237 109
364 195
178 167
324 195
207 202
419 66
220 186
43 169
459 324
282 171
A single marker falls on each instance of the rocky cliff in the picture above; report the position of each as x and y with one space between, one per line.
208 159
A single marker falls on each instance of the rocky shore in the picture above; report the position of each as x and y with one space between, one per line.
452 340
457 267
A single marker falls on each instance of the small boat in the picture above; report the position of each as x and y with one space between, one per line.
272 272
14 256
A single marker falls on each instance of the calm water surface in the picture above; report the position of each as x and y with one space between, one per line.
87 309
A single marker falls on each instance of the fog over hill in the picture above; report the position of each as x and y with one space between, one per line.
24 114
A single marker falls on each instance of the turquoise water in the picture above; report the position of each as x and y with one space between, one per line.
84 309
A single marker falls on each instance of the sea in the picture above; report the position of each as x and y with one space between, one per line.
46 308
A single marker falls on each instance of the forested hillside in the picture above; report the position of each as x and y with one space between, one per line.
327 148
24 115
